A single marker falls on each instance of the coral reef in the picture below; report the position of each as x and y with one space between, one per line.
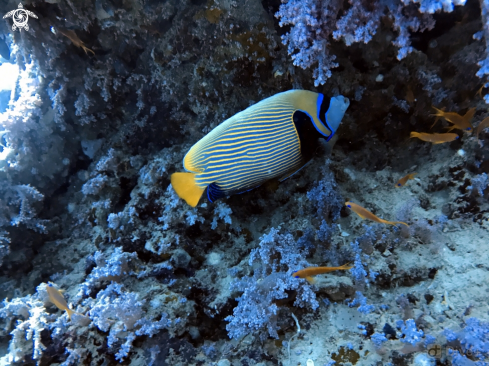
107 98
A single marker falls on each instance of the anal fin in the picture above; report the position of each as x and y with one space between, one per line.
214 192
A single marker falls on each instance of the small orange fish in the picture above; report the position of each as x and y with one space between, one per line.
435 138
312 271
366 214
483 125
457 121
404 179
57 298
480 89
74 38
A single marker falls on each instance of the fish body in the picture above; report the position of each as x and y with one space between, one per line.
73 37
483 125
57 298
435 138
404 179
458 121
366 214
271 139
308 272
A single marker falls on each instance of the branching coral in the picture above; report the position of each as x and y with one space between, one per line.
314 23
273 263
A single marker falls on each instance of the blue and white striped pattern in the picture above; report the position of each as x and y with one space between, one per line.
249 148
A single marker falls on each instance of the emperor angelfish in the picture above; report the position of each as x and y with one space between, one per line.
271 139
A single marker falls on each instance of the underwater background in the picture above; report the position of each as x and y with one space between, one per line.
101 261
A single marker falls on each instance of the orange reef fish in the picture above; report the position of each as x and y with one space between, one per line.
483 125
312 271
457 121
485 85
57 298
272 139
435 138
404 179
71 35
366 214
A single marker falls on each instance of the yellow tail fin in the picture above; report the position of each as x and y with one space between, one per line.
186 188
345 267
311 280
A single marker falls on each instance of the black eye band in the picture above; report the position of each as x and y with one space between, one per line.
323 109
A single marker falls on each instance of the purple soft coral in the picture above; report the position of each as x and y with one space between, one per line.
315 22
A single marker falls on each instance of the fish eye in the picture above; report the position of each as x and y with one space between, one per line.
456 137
469 128
398 184
296 276
348 206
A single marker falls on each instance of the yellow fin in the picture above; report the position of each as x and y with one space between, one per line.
400 222
186 188
310 280
345 266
